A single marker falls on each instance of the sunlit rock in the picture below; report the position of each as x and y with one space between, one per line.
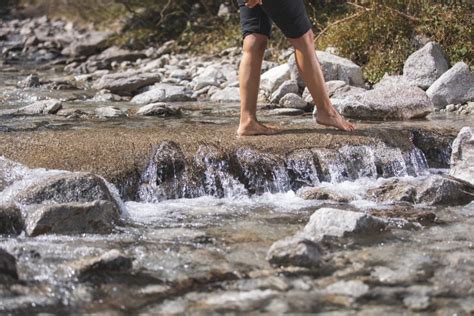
292 100
295 251
289 86
41 107
228 94
109 112
163 92
158 109
273 78
462 158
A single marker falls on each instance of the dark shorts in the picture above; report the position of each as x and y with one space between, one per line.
289 15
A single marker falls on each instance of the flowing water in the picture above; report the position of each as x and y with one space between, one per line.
199 228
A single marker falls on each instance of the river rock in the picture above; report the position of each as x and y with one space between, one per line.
125 83
392 80
455 86
158 109
295 251
11 221
32 81
228 94
289 86
109 112
7 266
110 262
86 45
321 193
398 102
237 301
426 65
181 74
209 76
353 288
51 106
164 92
96 217
294 101
339 89
341 223
462 157
271 79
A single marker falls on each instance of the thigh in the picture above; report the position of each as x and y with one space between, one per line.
289 15
254 20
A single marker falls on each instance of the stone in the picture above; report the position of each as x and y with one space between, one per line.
353 288
164 92
181 74
454 86
294 72
339 89
295 251
8 268
294 101
209 76
111 262
96 217
32 81
417 302
321 193
158 109
109 112
224 10
392 80
86 45
285 112
273 78
117 54
397 102
462 156
233 301
341 223
426 65
11 221
228 94
51 106
289 86
125 83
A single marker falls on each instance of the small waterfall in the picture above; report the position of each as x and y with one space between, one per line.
302 169
333 165
360 161
416 162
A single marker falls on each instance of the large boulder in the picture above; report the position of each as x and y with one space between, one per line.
96 217
163 92
11 221
295 251
273 78
340 223
462 157
426 65
7 266
398 102
228 94
455 86
125 83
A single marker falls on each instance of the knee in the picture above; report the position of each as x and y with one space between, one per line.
307 39
255 44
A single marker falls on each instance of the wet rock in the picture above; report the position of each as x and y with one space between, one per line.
111 262
228 94
295 251
455 86
86 45
395 102
462 158
158 109
11 221
125 83
294 101
289 86
66 188
426 65
109 112
41 107
237 301
321 193
273 78
164 92
340 223
32 81
8 269
285 112
96 217
435 146
353 288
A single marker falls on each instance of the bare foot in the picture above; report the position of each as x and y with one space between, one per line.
255 128
334 119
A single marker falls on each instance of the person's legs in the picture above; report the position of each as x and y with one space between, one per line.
311 73
249 76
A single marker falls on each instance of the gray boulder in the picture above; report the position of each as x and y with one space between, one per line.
337 89
125 83
393 80
426 65
289 86
295 251
11 221
455 86
109 112
72 218
41 107
462 157
7 266
158 109
228 94
398 102
164 92
273 78
209 76
294 101
340 223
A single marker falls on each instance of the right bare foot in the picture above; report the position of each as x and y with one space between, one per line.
255 128
334 119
